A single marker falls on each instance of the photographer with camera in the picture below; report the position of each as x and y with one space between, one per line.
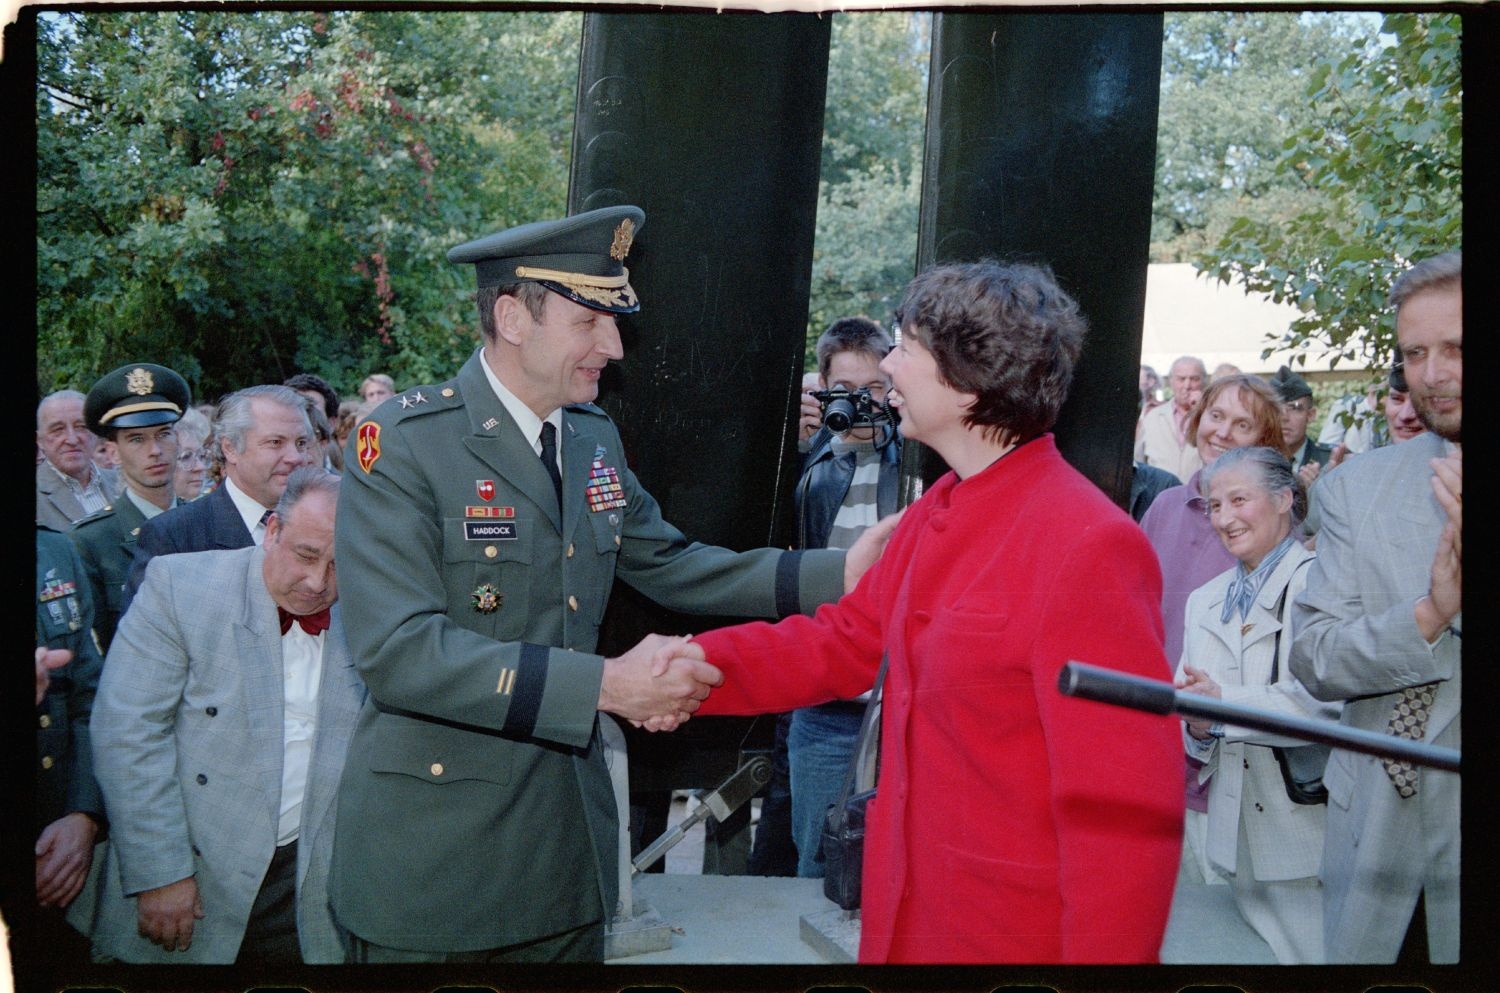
848 482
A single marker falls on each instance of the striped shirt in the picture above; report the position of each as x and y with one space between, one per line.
859 510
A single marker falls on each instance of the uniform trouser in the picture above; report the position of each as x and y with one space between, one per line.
581 944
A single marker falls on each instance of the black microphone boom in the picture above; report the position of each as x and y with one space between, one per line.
1091 682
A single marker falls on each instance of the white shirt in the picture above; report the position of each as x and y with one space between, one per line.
302 668
524 416
250 510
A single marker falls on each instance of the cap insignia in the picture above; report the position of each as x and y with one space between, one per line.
139 382
624 235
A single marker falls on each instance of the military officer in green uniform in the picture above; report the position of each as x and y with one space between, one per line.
480 527
137 406
69 808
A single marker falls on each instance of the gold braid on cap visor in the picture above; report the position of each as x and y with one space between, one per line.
608 291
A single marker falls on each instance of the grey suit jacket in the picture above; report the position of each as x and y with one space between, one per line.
1356 639
188 740
56 506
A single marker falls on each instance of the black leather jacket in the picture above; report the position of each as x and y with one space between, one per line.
825 482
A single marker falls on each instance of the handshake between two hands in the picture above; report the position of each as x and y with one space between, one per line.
659 683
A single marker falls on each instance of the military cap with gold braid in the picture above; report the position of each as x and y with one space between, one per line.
580 257
135 396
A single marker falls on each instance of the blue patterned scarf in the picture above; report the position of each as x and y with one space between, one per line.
1245 586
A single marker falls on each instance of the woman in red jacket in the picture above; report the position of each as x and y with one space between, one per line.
1011 823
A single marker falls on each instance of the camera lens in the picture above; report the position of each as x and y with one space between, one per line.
839 417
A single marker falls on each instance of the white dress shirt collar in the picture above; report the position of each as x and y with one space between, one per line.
524 416
250 510
146 506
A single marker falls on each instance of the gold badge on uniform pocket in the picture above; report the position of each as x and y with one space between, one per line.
487 598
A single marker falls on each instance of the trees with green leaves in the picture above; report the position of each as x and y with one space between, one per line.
865 249
1383 156
246 195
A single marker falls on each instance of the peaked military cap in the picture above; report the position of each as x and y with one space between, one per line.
1289 386
580 257
135 396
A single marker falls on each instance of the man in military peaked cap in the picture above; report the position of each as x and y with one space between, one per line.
481 526
137 406
1297 412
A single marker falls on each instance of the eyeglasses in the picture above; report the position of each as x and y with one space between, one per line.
1300 406
191 456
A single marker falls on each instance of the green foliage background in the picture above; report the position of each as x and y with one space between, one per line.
247 195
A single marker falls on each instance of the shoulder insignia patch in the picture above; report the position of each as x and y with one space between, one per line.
367 444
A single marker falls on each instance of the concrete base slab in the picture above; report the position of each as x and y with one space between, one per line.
724 919
833 934
645 932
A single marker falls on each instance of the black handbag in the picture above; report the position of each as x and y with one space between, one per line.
1301 766
843 835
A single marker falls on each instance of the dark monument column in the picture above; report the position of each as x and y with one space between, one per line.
713 124
1041 146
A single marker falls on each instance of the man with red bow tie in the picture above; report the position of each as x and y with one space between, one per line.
221 729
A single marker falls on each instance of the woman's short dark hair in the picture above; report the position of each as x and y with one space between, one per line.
1005 332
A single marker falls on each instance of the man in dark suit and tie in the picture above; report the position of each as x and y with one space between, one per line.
219 733
264 435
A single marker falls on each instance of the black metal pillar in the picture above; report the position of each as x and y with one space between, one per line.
713 124
1041 140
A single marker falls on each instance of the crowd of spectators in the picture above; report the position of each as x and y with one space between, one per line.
1307 573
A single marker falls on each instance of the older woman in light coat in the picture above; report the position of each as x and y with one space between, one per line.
1237 638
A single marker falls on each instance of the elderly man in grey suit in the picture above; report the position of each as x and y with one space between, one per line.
69 487
220 731
1379 626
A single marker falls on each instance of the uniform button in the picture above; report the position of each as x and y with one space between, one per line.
202 779
212 711
46 761
570 549
617 540
490 551
45 721
436 768
572 603
447 391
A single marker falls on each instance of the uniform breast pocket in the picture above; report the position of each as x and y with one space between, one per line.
60 616
487 574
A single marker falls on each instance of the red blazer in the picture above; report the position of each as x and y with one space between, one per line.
1012 823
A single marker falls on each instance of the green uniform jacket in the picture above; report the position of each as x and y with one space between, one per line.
64 616
475 810
106 543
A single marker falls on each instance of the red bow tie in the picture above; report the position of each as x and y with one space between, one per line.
313 624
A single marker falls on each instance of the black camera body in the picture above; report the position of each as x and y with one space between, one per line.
844 410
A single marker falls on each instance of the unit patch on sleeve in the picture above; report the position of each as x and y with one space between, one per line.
367 445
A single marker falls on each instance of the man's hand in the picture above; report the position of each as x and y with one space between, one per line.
1448 487
64 852
648 693
1340 452
1308 474
48 659
166 914
867 548
811 417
